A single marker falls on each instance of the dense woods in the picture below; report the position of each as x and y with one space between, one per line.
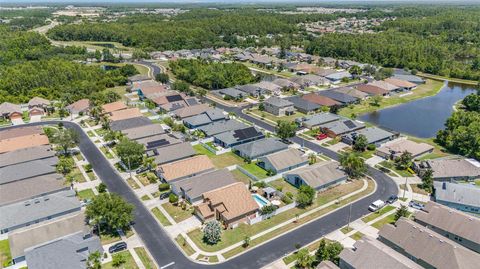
211 75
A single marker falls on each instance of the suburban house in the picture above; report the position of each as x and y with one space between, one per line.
26 155
29 169
191 111
426 247
81 106
149 89
374 136
130 123
44 232
115 106
231 205
339 97
207 117
251 89
327 265
310 80
370 253
463 197
372 90
158 141
143 131
283 161
460 227
402 84
70 251
450 169
36 210
319 176
269 87
303 105
10 111
278 106
255 149
230 93
125 114
352 92
137 78
385 85
20 131
171 102
315 120
337 77
410 78
341 127
325 72
193 188
21 142
185 168
222 126
320 100
286 84
35 111
396 147
172 153
237 137
39 102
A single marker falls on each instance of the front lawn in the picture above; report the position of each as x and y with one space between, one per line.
91 175
356 236
160 217
145 258
390 165
106 152
86 194
222 160
76 175
377 214
145 198
390 219
131 182
255 170
177 213
129 261
5 254
184 245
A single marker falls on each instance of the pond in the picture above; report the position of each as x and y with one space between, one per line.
423 117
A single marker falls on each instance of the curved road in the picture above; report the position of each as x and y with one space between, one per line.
165 251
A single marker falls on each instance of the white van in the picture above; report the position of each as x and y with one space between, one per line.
376 205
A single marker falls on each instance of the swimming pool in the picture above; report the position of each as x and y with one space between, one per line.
260 200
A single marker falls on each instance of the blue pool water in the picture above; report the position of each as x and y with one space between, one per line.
260 200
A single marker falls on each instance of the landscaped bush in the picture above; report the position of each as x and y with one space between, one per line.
172 198
212 232
371 147
260 184
268 209
163 187
289 194
87 167
151 177
287 200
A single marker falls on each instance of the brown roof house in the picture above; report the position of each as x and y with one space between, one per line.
38 102
396 147
372 90
185 168
231 205
22 142
320 100
402 84
79 107
125 114
115 106
10 111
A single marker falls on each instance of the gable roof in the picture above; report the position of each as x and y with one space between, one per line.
443 168
285 159
352 92
28 169
251 89
459 223
373 134
143 131
191 110
130 123
462 194
110 107
343 126
233 200
320 100
195 187
160 140
38 101
410 78
338 96
26 155
125 114
9 108
185 167
239 135
400 83
79 106
268 86
319 119
232 92
339 75
26 141
427 245
384 85
261 147
173 152
372 89
398 146
222 126
278 102
282 82
20 131
320 174
303 104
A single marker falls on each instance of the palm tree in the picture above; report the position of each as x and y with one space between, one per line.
312 158
105 122
96 112
304 259
353 165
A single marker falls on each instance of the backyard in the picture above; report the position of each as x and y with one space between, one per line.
255 170
222 160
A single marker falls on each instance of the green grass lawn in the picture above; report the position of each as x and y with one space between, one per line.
241 177
284 186
90 134
129 262
477 182
222 160
274 118
5 254
233 236
184 245
159 215
79 157
144 180
145 258
106 152
377 214
346 229
76 175
91 175
390 219
133 184
86 194
356 236
145 198
390 165
177 213
255 170
333 141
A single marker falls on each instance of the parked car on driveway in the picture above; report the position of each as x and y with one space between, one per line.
321 136
392 199
142 169
375 206
164 195
416 205
117 247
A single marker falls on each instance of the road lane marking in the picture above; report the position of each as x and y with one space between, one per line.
167 265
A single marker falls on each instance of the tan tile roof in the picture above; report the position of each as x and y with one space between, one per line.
204 210
125 114
371 89
232 201
400 83
186 167
320 100
286 158
79 106
400 145
110 107
38 101
161 100
21 142
9 108
458 223
21 131
191 110
153 90
384 85
429 246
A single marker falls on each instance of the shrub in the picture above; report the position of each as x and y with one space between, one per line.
289 194
287 200
163 187
118 260
102 188
268 209
151 177
88 167
212 232
305 196
172 198
371 147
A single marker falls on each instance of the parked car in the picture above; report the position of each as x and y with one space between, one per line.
142 169
164 195
375 206
321 136
117 247
392 199
416 205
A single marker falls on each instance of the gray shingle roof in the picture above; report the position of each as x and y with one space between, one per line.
222 126
158 141
26 155
143 131
320 174
55 204
21 190
120 125
173 152
27 170
278 102
373 134
343 126
285 159
338 96
462 194
196 186
251 89
239 135
70 251
302 104
232 92
444 168
318 119
339 75
197 120
260 148
409 78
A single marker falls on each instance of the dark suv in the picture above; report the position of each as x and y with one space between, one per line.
117 247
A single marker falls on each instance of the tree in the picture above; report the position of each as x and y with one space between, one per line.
328 251
404 161
472 102
212 232
427 180
305 196
162 77
66 139
261 107
65 165
376 99
118 260
94 260
286 129
246 241
355 70
353 165
360 143
267 209
130 153
110 210
304 259
401 212
102 188
172 198
312 158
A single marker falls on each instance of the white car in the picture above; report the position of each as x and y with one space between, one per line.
376 205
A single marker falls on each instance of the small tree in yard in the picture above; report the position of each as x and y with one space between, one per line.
312 158
404 161
66 139
118 260
246 241
93 261
65 165
130 152
401 212
286 129
353 165
328 251
267 209
111 211
360 143
427 180
304 259
172 198
102 188
212 232
376 99
305 196
162 77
